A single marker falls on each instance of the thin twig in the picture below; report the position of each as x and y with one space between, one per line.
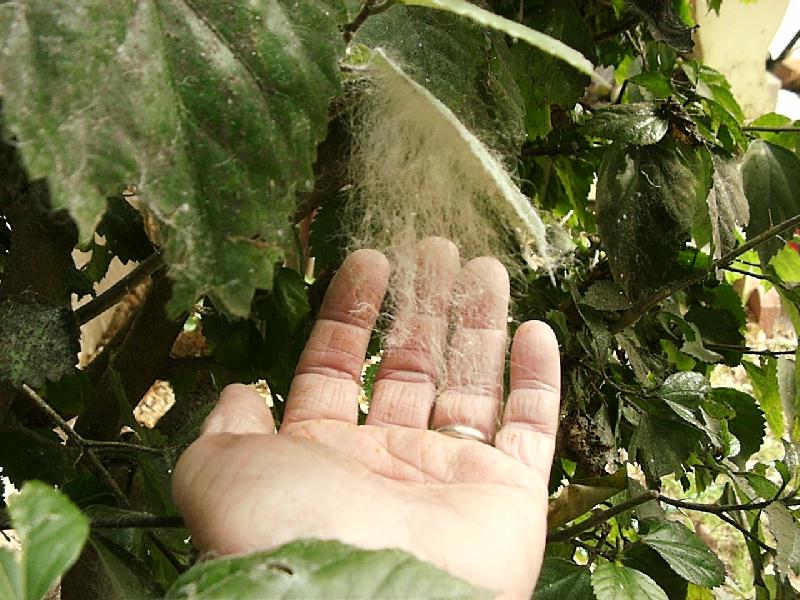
86 454
138 521
746 350
563 535
622 27
630 316
777 129
122 446
119 290
748 273
715 509
730 521
788 48
370 8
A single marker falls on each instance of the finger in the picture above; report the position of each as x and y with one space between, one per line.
328 376
240 409
530 420
474 385
405 385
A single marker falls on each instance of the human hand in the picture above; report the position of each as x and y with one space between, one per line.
475 510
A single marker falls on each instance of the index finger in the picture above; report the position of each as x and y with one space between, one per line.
328 375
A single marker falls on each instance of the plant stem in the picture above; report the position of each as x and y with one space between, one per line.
370 7
746 350
748 273
563 535
778 129
745 532
630 316
87 455
137 521
119 290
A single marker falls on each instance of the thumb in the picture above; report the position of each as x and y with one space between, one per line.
240 410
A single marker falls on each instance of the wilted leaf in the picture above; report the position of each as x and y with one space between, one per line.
320 569
581 496
638 123
765 387
686 553
52 532
40 341
230 102
561 578
771 176
617 582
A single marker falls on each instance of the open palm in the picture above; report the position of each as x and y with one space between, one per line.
473 509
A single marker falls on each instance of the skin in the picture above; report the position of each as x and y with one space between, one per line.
477 510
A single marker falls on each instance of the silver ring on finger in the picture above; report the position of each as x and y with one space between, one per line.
463 432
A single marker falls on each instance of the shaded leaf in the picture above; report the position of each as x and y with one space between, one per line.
665 24
561 578
688 389
727 205
40 341
643 558
662 446
647 199
748 424
638 123
122 226
685 553
765 388
320 569
126 573
52 532
26 454
231 100
786 531
605 295
612 581
771 177
539 40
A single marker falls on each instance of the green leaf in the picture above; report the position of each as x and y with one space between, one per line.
230 102
786 531
788 139
665 24
126 573
686 553
655 82
662 446
771 176
765 387
561 578
543 42
40 341
786 263
543 81
448 56
727 205
51 531
640 124
748 425
647 202
320 569
612 581
605 295
643 558
688 389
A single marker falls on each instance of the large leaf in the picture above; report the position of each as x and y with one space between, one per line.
771 176
647 205
764 378
662 446
688 389
539 40
51 531
686 553
40 341
612 581
542 79
665 24
561 578
727 205
786 531
320 569
645 559
447 55
212 109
